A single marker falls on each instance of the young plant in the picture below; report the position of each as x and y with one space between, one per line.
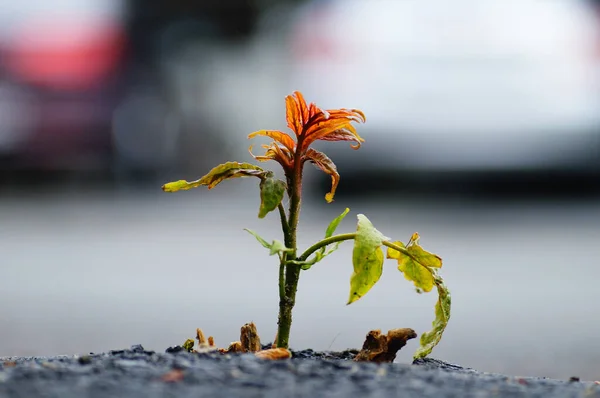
309 124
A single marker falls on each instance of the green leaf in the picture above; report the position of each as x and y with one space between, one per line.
367 258
334 223
325 251
188 345
274 248
416 264
216 175
278 247
442 316
271 194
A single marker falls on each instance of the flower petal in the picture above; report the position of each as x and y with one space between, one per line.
278 136
321 161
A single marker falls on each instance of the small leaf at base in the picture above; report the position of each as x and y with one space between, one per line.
271 194
275 247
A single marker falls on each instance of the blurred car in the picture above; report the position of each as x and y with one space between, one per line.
455 86
111 85
61 63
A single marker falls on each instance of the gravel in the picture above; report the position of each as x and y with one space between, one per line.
137 372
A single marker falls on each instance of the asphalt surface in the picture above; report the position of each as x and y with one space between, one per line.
140 373
92 271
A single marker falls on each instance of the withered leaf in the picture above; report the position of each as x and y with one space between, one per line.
383 348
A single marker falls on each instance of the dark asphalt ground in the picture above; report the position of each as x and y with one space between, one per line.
140 373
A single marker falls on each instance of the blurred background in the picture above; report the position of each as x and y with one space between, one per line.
482 134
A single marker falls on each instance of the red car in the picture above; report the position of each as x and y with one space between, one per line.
59 73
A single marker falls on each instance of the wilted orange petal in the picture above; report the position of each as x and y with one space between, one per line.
292 115
353 114
298 113
323 128
344 134
274 152
278 136
303 110
321 161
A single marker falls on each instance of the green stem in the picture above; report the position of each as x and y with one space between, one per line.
284 223
292 272
282 278
325 242
285 228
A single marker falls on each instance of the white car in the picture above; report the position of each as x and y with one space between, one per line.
461 85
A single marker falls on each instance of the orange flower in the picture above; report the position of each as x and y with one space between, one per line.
309 124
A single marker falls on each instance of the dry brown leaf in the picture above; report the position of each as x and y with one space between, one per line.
249 338
173 376
273 354
204 345
200 337
383 348
234 347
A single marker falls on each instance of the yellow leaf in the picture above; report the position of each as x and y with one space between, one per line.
442 316
416 264
181 185
216 175
367 259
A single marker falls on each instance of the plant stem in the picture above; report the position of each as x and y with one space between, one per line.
282 278
325 242
398 248
285 228
292 272
284 222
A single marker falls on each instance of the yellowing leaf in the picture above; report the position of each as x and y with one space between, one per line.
321 161
367 258
421 256
216 175
271 194
180 185
442 316
416 264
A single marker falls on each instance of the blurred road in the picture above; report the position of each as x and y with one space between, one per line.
102 271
